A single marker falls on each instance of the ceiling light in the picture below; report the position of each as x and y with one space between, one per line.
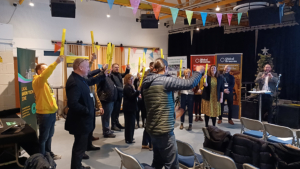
197 28
218 8
31 3
108 15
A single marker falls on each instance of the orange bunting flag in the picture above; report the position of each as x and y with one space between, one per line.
124 67
156 10
122 48
57 46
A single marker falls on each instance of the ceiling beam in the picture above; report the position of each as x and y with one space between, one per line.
214 5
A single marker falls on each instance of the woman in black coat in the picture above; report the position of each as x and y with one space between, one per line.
130 107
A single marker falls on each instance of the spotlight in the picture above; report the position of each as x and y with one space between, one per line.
218 8
108 15
31 3
197 28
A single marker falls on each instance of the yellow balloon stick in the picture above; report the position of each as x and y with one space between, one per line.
142 76
62 49
161 53
139 65
107 53
93 44
112 51
180 68
206 67
128 56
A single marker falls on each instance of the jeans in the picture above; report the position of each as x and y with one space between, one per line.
165 152
79 147
187 100
46 128
229 98
108 108
267 102
115 113
197 101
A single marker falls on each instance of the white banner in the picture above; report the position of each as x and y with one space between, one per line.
174 65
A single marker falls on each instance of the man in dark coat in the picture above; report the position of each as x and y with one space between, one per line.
117 79
81 112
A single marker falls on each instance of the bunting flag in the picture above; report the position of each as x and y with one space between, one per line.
124 67
132 64
229 16
156 51
99 66
135 5
98 47
57 46
219 16
239 17
203 16
151 54
122 48
145 50
156 10
281 6
72 54
110 3
174 12
189 15
134 50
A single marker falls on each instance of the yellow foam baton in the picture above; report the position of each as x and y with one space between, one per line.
93 44
139 65
161 53
180 68
62 49
143 70
206 67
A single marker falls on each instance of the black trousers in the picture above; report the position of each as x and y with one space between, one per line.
229 98
214 119
79 147
142 109
267 102
197 101
115 113
129 125
90 138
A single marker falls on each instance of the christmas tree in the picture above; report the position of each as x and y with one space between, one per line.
265 58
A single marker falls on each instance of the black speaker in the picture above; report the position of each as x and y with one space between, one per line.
193 21
289 116
63 8
263 16
149 21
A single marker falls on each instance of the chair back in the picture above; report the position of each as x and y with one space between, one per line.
205 132
128 161
216 161
278 131
249 166
185 149
251 124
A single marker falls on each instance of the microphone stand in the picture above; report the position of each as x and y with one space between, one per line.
276 98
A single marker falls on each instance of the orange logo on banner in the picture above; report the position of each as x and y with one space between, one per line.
156 10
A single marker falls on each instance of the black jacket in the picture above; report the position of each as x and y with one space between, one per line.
245 149
157 92
93 73
117 79
39 161
130 99
81 105
228 78
220 88
219 139
107 90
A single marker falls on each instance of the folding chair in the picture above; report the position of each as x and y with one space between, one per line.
129 161
216 161
279 134
249 166
256 128
187 157
206 134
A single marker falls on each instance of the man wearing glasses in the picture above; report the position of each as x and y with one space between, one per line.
81 112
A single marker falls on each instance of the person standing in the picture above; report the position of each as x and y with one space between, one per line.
46 106
130 107
157 91
212 96
107 93
198 90
267 80
117 77
229 82
81 111
187 99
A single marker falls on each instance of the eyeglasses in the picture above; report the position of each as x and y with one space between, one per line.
82 61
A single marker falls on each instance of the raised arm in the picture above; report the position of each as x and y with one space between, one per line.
93 73
73 95
274 79
97 79
174 83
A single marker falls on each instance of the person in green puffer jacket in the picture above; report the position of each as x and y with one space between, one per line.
157 91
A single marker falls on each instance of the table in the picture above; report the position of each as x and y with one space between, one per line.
26 138
260 93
